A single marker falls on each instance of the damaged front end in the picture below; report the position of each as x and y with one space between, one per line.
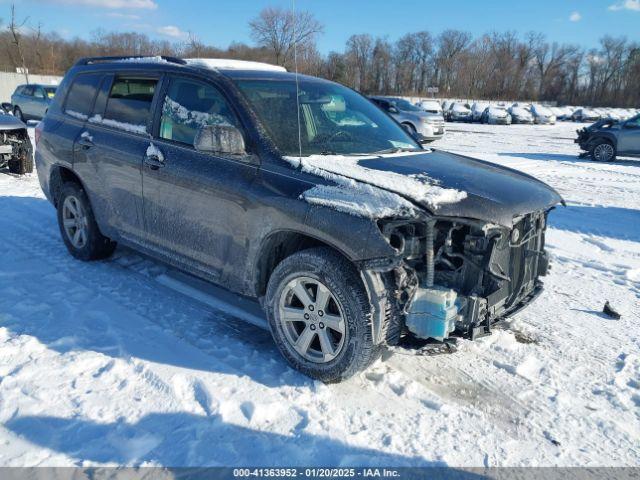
456 277
16 150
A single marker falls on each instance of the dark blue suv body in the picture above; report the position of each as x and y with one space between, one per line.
293 190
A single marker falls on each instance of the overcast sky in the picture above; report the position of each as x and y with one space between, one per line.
219 22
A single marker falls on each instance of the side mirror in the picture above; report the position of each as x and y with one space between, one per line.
393 109
220 139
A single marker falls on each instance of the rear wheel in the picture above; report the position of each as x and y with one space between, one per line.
603 151
78 226
319 315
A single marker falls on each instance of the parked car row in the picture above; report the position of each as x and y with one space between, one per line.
526 113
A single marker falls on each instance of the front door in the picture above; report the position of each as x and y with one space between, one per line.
629 138
195 203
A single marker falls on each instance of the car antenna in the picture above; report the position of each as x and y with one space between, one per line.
295 65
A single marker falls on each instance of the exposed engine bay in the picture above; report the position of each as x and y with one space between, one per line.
458 277
16 151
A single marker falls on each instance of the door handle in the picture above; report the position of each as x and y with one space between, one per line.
153 162
86 140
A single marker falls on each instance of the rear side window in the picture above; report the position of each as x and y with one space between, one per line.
28 91
129 104
81 95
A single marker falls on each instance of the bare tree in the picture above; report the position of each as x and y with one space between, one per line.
279 30
15 30
359 51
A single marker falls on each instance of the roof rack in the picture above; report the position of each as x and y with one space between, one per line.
132 58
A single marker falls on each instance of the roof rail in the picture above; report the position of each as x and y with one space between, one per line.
131 58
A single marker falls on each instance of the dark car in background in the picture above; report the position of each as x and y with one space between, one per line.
298 192
606 139
30 102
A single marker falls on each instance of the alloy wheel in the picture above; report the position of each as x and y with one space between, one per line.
312 319
75 222
603 152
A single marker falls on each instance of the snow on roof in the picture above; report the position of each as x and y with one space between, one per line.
227 63
155 59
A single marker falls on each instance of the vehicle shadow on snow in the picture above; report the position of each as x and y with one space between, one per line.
104 307
612 222
183 439
561 157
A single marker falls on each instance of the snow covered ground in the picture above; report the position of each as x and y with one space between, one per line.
111 363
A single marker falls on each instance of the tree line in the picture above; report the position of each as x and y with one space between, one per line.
498 65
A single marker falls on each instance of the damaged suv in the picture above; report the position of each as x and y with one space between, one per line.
296 191
606 139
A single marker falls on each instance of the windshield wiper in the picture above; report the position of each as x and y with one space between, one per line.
397 150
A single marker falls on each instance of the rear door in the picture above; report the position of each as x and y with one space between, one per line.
195 203
26 101
629 137
111 149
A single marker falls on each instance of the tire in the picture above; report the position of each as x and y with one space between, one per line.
411 128
352 350
18 113
94 246
21 165
602 151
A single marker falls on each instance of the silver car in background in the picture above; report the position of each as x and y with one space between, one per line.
30 102
477 109
495 116
459 112
520 114
426 127
542 115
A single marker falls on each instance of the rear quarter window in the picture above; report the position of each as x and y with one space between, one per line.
129 103
81 95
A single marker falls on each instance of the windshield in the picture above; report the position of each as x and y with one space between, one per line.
333 119
405 106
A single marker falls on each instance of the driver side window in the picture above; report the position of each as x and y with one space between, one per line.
634 122
190 105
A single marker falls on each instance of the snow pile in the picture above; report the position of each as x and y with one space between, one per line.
108 363
227 63
369 192
127 127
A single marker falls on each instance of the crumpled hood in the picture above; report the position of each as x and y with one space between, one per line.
9 122
494 193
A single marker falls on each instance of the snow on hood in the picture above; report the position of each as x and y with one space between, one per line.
368 192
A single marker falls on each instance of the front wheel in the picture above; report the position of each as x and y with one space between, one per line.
319 315
603 151
78 226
